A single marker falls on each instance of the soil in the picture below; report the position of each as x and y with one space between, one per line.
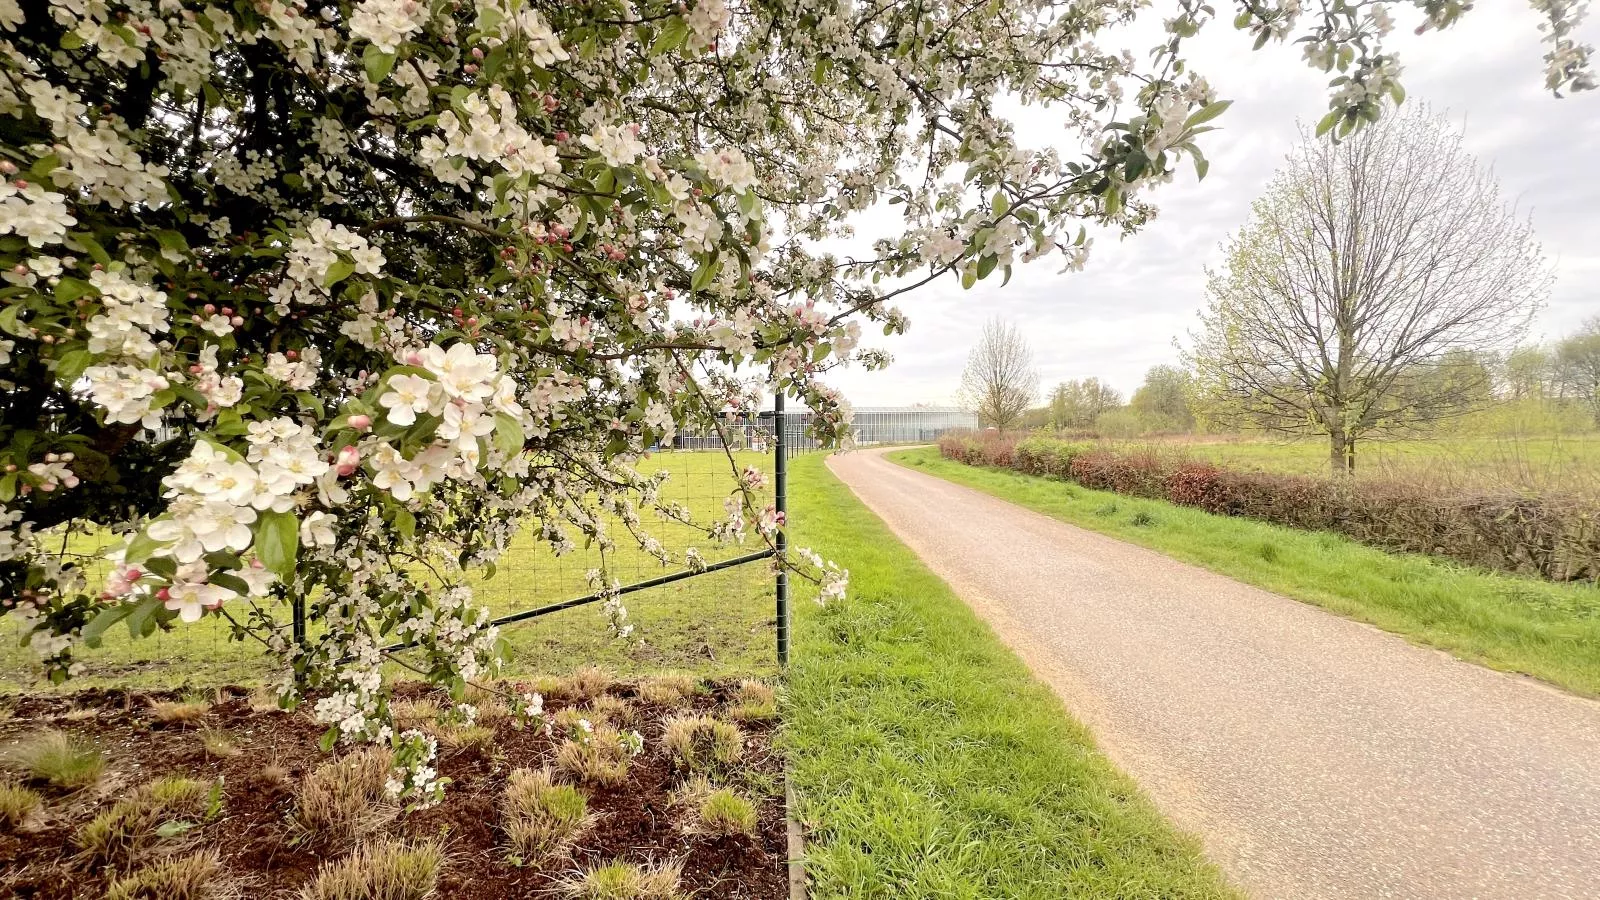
637 821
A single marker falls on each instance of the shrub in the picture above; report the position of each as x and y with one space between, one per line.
754 702
464 737
611 710
597 757
346 799
702 744
618 880
670 689
724 813
56 759
1553 536
179 712
17 803
199 876
542 818
387 870
155 812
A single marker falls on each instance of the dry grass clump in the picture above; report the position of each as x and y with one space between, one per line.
415 712
55 758
612 711
754 702
590 682
154 812
670 689
387 870
724 813
618 880
542 818
551 688
264 700
702 744
345 799
17 803
179 712
463 737
569 721
199 876
218 743
599 758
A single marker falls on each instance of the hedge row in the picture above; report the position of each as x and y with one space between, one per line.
1554 537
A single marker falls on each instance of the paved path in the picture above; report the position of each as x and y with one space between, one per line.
1314 756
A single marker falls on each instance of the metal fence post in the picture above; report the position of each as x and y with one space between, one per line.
781 503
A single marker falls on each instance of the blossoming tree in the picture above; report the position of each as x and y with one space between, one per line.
322 300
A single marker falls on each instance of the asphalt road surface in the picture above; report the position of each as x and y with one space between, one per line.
1315 757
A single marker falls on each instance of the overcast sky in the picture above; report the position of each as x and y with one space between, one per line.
1121 315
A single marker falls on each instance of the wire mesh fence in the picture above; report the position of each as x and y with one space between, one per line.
722 622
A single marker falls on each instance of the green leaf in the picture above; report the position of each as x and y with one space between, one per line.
706 274
142 546
278 542
1328 121
405 522
173 829
71 41
378 63
986 264
1207 113
329 738
508 436
231 582
339 271
139 621
71 364
10 322
969 277
8 488
672 36
106 618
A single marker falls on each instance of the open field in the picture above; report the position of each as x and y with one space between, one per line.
1555 462
929 762
1550 631
674 633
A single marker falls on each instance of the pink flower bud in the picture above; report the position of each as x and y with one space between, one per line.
236 321
210 308
360 422
348 460
163 595
134 573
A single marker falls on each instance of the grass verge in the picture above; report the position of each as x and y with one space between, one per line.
929 762
1549 631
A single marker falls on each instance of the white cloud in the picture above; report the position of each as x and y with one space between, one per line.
1120 316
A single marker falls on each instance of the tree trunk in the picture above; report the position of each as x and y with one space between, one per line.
1341 453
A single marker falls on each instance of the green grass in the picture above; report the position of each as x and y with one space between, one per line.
1550 631
672 633
929 763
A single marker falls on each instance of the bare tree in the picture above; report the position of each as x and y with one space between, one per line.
1578 366
1000 382
1372 279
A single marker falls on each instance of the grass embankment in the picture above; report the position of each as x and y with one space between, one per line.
1549 631
929 762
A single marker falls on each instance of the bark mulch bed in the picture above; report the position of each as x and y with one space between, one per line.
637 822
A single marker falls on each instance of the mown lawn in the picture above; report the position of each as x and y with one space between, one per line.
929 762
673 630
1550 631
